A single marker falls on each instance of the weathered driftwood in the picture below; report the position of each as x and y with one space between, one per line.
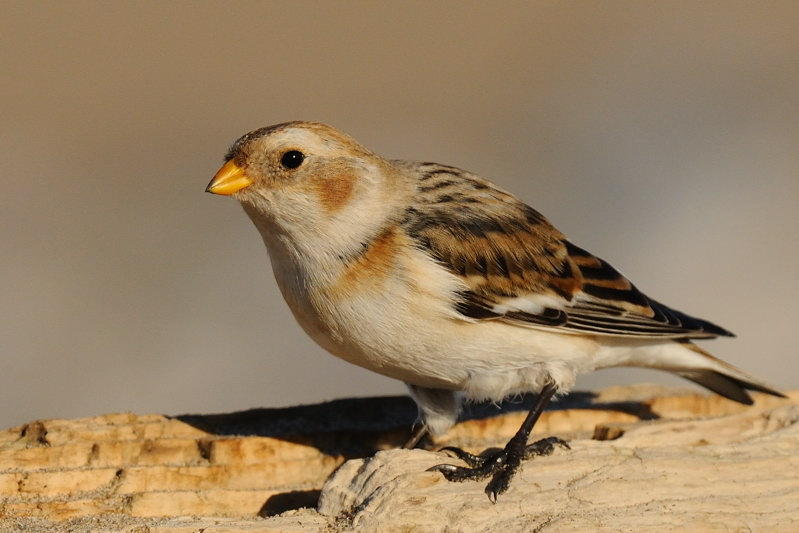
642 459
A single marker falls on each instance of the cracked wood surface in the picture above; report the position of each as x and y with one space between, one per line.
642 458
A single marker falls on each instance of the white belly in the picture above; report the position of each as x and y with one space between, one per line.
406 329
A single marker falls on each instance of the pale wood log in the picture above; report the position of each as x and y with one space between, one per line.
643 458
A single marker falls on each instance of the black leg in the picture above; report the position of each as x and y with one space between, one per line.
503 465
417 435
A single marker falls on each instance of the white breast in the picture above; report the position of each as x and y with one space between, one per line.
405 327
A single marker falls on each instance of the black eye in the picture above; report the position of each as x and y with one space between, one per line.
292 159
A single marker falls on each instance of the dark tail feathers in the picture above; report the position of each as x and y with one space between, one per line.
727 386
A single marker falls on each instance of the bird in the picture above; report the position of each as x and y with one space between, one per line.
437 277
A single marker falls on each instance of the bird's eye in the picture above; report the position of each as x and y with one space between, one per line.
292 159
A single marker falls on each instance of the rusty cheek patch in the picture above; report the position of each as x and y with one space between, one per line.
372 266
334 192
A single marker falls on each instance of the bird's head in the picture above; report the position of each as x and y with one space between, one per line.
309 182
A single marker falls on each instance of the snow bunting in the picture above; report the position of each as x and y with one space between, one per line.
432 275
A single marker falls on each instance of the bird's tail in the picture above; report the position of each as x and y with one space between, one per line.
720 377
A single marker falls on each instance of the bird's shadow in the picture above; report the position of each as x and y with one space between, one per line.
358 427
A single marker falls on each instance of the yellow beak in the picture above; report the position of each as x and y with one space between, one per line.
228 180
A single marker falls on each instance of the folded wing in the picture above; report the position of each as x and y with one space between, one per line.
519 268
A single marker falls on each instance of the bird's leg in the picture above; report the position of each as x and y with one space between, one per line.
501 466
417 435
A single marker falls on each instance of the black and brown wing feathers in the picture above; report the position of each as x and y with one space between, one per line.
519 268
609 303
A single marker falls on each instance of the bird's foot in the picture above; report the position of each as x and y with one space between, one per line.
545 447
500 466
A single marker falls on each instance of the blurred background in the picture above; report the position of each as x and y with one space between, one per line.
661 136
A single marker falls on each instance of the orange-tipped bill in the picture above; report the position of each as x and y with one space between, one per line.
228 180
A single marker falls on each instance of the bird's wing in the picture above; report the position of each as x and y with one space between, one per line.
519 268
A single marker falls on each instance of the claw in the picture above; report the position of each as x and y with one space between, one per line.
504 464
475 461
443 468
500 466
560 442
459 473
544 447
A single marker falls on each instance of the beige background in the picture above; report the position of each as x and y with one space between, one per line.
661 136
